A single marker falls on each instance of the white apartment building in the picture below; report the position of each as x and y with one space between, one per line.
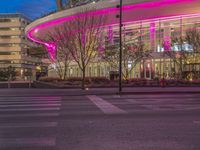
14 46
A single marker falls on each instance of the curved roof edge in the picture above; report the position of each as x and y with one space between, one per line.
92 6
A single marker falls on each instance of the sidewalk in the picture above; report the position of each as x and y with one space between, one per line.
99 91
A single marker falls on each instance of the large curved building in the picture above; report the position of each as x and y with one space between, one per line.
155 20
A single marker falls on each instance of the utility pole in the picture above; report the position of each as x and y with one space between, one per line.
120 46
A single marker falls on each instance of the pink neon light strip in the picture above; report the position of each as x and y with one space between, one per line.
52 47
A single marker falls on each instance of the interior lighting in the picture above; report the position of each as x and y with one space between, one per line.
52 47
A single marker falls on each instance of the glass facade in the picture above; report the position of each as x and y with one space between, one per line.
158 36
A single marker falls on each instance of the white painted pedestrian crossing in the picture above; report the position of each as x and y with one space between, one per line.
29 102
38 112
29 109
23 142
13 99
29 115
28 125
29 105
105 106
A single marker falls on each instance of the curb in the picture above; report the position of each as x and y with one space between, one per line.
83 93
158 92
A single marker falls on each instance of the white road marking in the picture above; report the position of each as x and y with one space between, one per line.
105 106
28 102
29 115
28 125
29 109
30 99
29 105
10 142
196 122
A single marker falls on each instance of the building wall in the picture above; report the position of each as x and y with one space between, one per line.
14 44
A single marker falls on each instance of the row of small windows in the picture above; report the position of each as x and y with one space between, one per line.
24 45
9 62
11 29
13 20
9 37
5 20
9 53
12 37
15 62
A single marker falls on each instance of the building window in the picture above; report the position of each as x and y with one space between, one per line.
5 20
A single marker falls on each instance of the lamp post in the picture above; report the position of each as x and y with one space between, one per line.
120 46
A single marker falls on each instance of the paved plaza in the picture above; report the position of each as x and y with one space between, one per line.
36 121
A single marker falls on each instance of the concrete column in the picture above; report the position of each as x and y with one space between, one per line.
152 36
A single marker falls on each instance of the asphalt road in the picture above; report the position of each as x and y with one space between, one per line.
100 122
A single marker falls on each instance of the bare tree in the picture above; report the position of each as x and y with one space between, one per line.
193 39
183 55
179 57
64 4
133 53
70 3
59 5
62 64
81 36
63 56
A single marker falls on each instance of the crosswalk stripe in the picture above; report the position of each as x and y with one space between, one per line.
105 106
29 99
22 142
30 109
55 114
29 102
28 124
28 105
34 97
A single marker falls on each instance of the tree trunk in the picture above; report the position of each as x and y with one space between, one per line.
59 4
181 68
65 70
83 79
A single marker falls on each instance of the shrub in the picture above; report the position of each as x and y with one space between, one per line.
73 79
89 80
6 73
138 80
49 79
98 80
195 82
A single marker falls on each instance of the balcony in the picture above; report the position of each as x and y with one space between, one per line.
10 40
10 24
31 59
10 57
11 48
10 32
